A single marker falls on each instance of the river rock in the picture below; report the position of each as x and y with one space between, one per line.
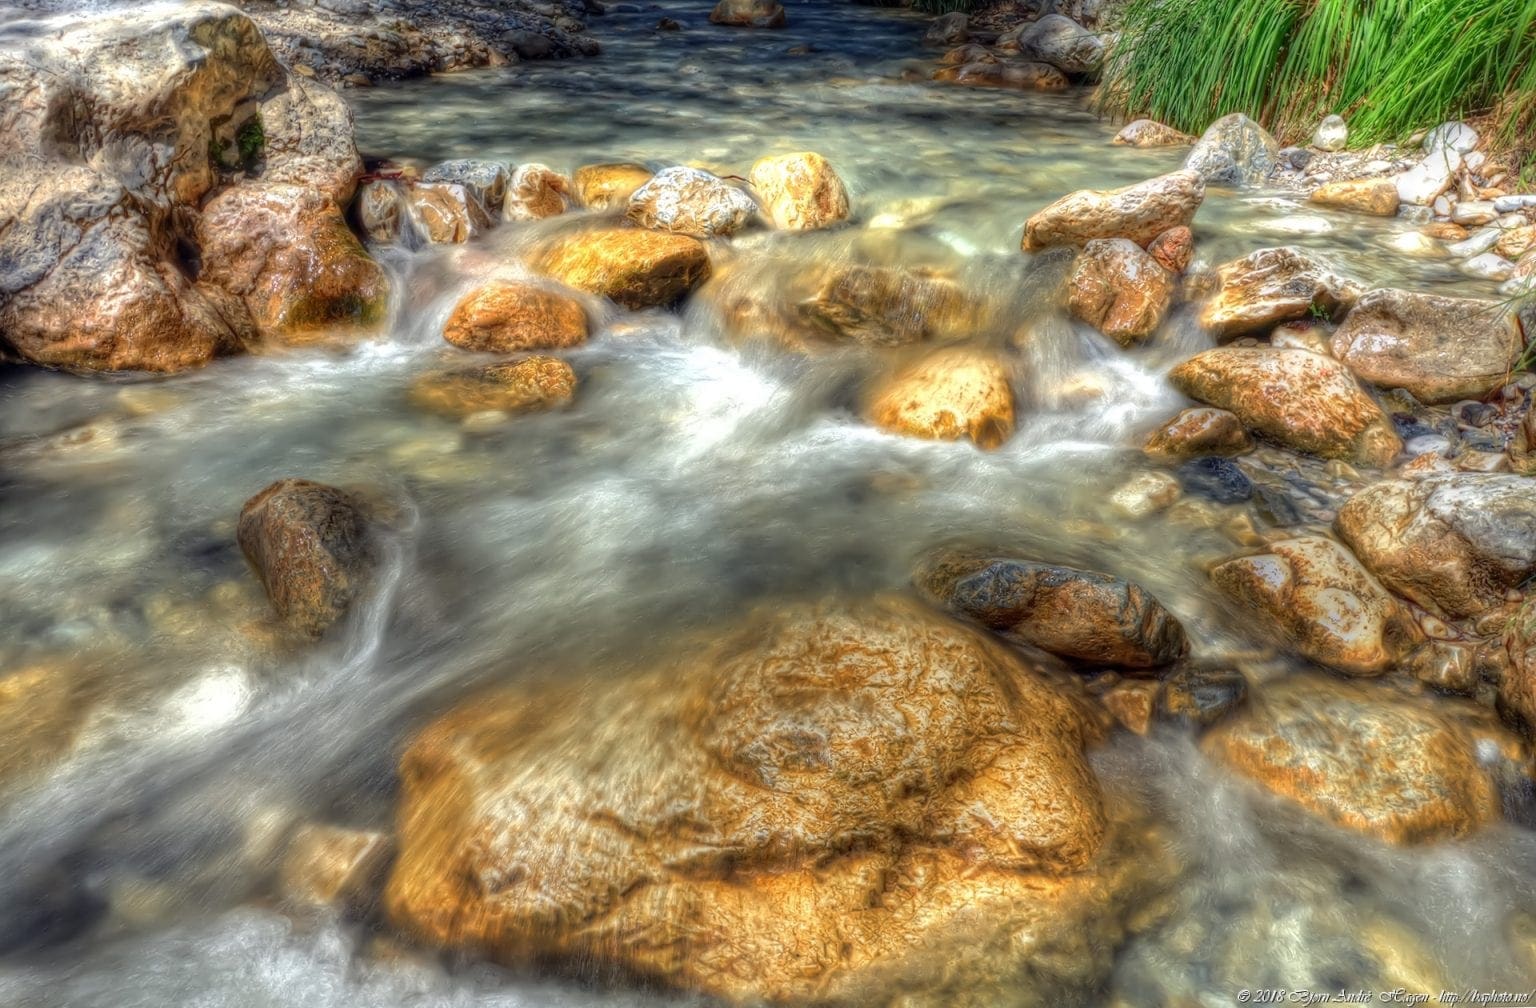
1441 349
1375 196
1234 151
885 305
535 192
529 385
1063 43
306 133
1085 616
1522 448
333 868
955 393
486 182
948 29
1332 134
748 14
441 212
637 269
313 549
1139 212
800 192
504 316
1119 290
1271 286
607 186
1173 249
1314 595
1455 136
1360 757
1517 693
723 824
1151 133
691 202
42 712
1302 400
1422 184
1012 74
1197 432
1452 543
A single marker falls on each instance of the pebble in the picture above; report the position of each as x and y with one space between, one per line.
1470 413
1474 212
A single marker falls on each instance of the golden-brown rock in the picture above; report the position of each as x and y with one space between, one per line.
748 14
529 385
830 805
509 315
1140 212
1011 74
333 867
693 202
800 192
955 393
535 192
313 549
1315 597
1375 196
1271 286
1173 249
1361 757
1119 289
1517 692
1198 431
636 268
1296 398
609 186
886 305
1150 133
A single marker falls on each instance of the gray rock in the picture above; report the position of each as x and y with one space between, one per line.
1063 43
1509 204
1332 134
1234 151
948 29
1456 136
486 181
1489 266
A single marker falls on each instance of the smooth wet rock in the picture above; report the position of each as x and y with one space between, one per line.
504 316
306 139
800 192
1120 290
1081 615
441 212
691 202
485 181
1275 285
1198 696
530 385
1063 43
748 14
1234 151
609 186
1454 544
1151 133
287 252
1317 598
636 268
1296 398
885 306
333 868
720 823
1517 693
1444 665
1332 134
955 393
313 549
1139 212
1360 757
1216 479
1014 75
948 29
534 192
1374 196
1423 183
1173 249
1440 349
1200 430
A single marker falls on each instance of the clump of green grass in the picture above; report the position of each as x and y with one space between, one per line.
943 6
1388 66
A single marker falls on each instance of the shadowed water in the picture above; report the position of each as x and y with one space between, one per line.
691 480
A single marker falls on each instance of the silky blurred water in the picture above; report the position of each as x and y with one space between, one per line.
692 479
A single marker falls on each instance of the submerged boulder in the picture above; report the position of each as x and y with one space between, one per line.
691 202
1081 615
636 268
1016 75
313 548
885 306
955 393
1362 758
800 192
1274 285
1454 544
1119 289
748 14
1139 212
1296 398
509 315
607 186
529 385
838 803
1317 598
1234 151
1441 349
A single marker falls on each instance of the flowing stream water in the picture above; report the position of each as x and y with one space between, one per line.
691 480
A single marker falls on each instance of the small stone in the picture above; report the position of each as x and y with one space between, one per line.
1150 133
334 868
956 393
532 384
1444 666
1198 431
1216 479
506 316
1145 494
1173 249
1456 136
606 186
1374 196
1131 703
1332 134
1195 696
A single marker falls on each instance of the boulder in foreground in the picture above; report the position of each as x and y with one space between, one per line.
504 316
955 393
800 192
636 268
1140 213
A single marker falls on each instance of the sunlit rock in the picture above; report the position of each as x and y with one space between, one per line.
1332 134
306 139
837 803
1234 151
955 393
485 182
748 14
1275 285
1298 399
1197 432
529 385
691 202
609 186
886 306
1422 184
1011 74
1061 42
395 211
1151 133
287 252
535 192
800 192
1315 597
508 315
333 868
1120 290
1082 615
1517 693
1361 757
1453 543
1375 196
636 268
1441 349
1455 136
1173 249
313 548
1140 212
